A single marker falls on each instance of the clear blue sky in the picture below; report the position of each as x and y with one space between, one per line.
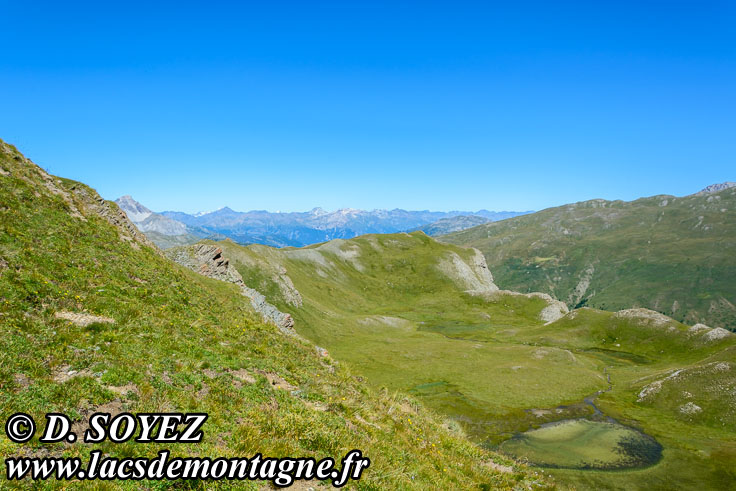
425 105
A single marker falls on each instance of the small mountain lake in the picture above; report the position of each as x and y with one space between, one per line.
584 444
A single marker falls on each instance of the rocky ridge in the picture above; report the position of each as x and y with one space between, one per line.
80 200
714 188
208 260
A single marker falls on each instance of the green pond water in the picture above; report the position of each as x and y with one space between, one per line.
584 444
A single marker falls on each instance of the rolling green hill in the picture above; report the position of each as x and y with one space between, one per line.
417 315
94 318
670 254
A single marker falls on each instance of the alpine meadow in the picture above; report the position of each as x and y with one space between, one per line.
368 246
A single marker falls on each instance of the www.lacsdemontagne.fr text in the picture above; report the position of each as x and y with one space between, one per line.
168 428
282 472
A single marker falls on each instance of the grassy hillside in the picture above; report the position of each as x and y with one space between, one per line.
92 318
395 307
673 255
392 308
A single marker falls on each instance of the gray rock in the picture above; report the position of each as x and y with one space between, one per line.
714 188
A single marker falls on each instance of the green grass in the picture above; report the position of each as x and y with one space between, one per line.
178 343
673 255
425 340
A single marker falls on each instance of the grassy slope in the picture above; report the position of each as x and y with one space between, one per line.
485 362
176 342
418 347
673 255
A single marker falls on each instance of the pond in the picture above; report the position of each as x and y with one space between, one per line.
585 444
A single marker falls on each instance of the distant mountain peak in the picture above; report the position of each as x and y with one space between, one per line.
349 211
714 188
136 212
225 209
148 221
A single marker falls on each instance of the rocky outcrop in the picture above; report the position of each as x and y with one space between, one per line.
93 203
714 188
717 333
709 334
270 313
554 310
690 408
645 317
652 389
698 328
473 275
208 260
582 287
475 278
266 264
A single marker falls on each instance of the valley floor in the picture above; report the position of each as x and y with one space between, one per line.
384 306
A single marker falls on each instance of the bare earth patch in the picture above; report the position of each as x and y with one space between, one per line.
317 406
123 389
65 372
243 375
690 408
277 381
21 380
83 320
506 469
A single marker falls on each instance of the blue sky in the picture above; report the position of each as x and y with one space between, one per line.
425 105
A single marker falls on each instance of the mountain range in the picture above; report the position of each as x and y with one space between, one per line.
675 255
294 229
